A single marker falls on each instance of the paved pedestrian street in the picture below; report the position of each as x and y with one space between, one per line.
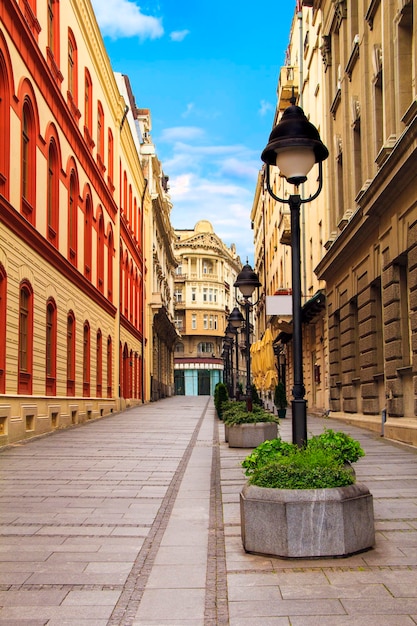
133 520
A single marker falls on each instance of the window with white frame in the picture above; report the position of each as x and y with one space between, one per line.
205 322
194 321
193 294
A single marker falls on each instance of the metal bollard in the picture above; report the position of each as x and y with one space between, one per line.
383 420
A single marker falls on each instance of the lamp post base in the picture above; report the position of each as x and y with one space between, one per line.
299 421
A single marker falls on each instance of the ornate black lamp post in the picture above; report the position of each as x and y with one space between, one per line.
236 320
294 146
247 281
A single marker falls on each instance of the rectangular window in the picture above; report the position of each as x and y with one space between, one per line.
205 294
205 322
194 321
193 295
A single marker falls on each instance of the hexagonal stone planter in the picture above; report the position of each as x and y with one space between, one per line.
250 435
307 523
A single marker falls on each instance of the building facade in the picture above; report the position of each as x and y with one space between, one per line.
204 297
358 86
71 208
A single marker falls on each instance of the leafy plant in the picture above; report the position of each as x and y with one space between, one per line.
343 446
301 472
280 396
255 396
235 413
320 464
221 396
266 453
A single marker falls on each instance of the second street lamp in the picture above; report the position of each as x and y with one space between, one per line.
236 320
247 281
294 146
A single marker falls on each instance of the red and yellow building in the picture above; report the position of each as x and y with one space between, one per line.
72 200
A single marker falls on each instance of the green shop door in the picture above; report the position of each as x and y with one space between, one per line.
179 383
203 383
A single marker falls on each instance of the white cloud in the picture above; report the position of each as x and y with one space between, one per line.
123 18
265 107
213 182
182 133
188 110
179 35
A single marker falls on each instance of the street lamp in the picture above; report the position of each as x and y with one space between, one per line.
236 320
247 281
294 146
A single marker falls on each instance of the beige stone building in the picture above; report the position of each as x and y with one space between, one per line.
358 86
204 297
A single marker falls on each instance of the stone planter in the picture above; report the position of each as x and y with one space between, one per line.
250 435
307 523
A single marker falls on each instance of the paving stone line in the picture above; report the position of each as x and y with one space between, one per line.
124 612
216 603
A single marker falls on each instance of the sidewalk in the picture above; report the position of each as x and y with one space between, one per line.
133 520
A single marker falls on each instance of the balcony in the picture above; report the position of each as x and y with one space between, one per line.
287 86
180 278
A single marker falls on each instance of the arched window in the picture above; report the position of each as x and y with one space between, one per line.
124 205
100 137
126 287
28 162
53 39
52 194
72 69
110 252
3 313
88 234
109 359
130 207
205 347
131 292
50 348
71 344
100 254
25 358
88 109
135 218
99 364
72 218
86 359
4 128
110 159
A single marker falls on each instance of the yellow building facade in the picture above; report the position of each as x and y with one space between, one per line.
204 297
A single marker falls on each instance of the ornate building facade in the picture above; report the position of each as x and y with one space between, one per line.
204 297
358 86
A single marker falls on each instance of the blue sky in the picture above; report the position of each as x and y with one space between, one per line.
208 71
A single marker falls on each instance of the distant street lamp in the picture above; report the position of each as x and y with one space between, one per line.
236 320
247 281
294 146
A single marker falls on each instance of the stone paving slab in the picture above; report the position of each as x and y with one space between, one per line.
144 530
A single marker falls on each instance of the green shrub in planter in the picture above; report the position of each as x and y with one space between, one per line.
304 469
343 446
221 396
320 464
235 413
268 452
255 396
